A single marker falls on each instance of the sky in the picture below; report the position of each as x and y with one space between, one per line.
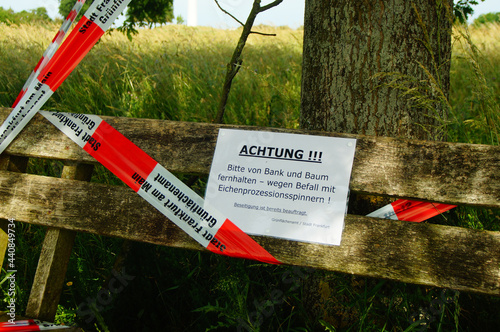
290 12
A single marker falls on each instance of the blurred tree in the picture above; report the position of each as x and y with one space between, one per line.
180 20
37 15
6 15
487 18
140 13
148 13
65 7
463 9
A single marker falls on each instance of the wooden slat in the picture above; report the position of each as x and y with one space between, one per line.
423 170
54 258
427 254
14 164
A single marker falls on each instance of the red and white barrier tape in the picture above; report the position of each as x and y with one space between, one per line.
132 165
158 186
51 50
149 179
98 18
30 325
408 210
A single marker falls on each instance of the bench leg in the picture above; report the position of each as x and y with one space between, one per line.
54 258
50 274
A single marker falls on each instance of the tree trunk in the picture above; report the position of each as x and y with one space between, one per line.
363 61
348 42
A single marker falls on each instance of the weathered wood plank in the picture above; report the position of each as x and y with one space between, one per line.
14 164
54 258
424 170
427 254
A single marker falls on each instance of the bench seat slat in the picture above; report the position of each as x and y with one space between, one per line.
427 254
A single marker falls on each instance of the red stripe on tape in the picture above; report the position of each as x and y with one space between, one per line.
416 211
38 64
79 42
131 164
30 325
119 155
14 328
123 158
57 39
19 96
72 14
58 36
238 244
25 325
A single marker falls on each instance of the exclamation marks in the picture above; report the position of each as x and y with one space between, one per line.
315 156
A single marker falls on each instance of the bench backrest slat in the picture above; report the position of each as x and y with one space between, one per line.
442 172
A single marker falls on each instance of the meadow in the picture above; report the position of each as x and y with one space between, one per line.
173 73
176 73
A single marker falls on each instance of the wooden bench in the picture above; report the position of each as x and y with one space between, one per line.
419 253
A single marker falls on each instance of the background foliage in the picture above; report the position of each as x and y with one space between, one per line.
139 13
33 16
487 18
463 9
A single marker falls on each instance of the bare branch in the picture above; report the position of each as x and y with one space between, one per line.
269 6
228 13
263 33
235 64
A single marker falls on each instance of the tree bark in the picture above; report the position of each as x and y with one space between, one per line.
363 62
349 46
347 43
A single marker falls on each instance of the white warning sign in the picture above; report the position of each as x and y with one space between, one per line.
282 185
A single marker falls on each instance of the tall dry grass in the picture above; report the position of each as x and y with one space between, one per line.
475 84
174 72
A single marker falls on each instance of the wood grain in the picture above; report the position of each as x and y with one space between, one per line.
54 258
467 174
426 254
13 164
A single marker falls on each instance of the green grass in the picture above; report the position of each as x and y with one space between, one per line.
176 73
475 85
173 73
